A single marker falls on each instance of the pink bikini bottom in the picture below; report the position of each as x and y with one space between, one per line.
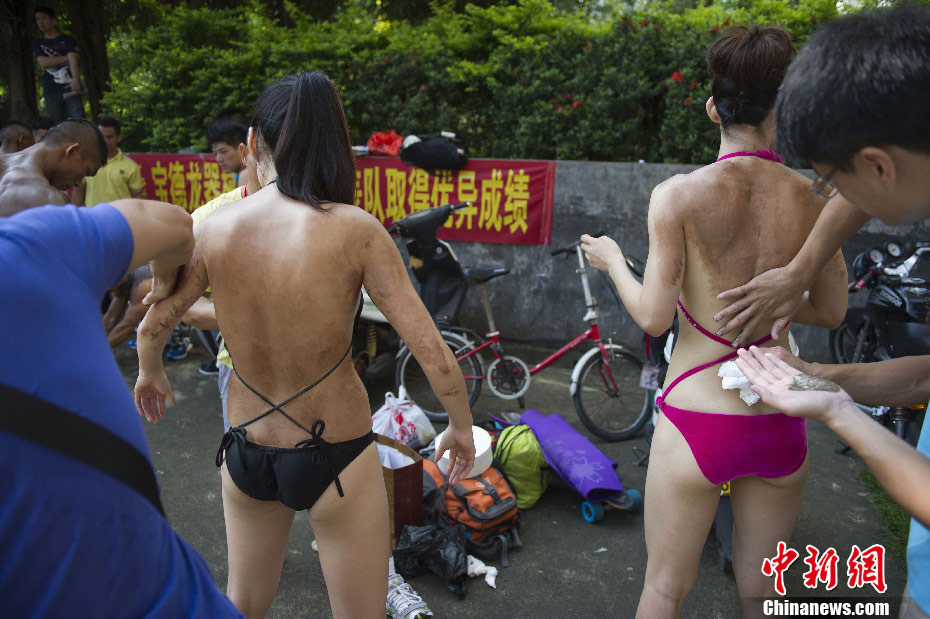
727 447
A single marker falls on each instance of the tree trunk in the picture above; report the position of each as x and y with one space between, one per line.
90 25
19 72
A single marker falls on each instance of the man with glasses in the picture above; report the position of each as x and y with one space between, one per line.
856 104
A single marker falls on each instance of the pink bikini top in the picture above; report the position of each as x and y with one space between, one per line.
764 154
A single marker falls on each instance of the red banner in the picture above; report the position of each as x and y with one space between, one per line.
511 200
189 181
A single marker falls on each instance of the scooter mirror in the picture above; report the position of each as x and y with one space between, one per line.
636 265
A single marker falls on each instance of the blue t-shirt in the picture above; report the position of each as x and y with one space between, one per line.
918 545
74 539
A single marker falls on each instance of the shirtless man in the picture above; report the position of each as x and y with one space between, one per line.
15 135
40 174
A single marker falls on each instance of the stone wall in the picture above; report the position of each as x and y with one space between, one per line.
541 299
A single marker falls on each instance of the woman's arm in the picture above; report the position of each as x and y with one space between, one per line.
152 387
824 305
652 304
386 280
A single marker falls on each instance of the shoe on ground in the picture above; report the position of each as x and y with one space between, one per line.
209 368
178 351
403 602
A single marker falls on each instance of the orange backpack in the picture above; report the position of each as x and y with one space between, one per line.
485 505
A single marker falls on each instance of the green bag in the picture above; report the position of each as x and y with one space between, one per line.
522 460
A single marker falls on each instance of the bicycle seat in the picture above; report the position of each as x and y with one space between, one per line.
484 274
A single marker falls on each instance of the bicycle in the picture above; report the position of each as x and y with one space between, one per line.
605 380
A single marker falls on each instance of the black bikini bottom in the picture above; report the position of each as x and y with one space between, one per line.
296 477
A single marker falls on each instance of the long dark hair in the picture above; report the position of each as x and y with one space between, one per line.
299 120
747 66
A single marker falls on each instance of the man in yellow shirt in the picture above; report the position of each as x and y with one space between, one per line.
121 177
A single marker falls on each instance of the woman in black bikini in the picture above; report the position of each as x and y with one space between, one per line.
286 265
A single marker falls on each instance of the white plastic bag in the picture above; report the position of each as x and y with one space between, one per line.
403 420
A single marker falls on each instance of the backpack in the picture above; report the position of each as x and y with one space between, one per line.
434 152
486 506
522 461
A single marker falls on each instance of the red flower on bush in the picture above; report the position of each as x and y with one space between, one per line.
687 102
677 76
644 22
715 29
693 85
575 104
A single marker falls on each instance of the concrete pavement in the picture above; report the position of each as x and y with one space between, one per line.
567 568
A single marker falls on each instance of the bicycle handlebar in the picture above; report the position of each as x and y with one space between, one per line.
570 247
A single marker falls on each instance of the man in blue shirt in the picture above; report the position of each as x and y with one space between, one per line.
75 537
856 104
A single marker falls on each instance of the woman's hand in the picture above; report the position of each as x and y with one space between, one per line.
152 389
788 389
461 447
601 252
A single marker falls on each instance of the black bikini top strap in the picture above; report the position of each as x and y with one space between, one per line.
277 407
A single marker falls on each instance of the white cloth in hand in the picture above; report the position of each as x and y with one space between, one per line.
733 378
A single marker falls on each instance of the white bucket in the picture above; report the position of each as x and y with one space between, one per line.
483 453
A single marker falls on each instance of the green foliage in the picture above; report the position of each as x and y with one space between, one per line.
524 80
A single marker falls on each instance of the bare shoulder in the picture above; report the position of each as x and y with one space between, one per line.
357 220
22 188
674 197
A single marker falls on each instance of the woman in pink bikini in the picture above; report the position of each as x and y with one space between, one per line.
711 230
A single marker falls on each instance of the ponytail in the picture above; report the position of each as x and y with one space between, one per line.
301 123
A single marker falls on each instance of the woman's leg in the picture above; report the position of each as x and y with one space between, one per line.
679 510
256 537
352 536
764 513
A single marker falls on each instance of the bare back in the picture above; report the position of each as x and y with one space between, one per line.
741 217
22 184
286 279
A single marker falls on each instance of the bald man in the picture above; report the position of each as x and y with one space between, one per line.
15 136
41 173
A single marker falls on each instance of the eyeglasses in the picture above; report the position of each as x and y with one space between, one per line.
823 187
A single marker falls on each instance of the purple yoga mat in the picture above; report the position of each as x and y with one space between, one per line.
574 458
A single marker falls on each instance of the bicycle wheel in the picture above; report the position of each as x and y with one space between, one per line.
411 377
611 404
842 343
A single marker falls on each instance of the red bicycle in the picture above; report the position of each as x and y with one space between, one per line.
605 384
